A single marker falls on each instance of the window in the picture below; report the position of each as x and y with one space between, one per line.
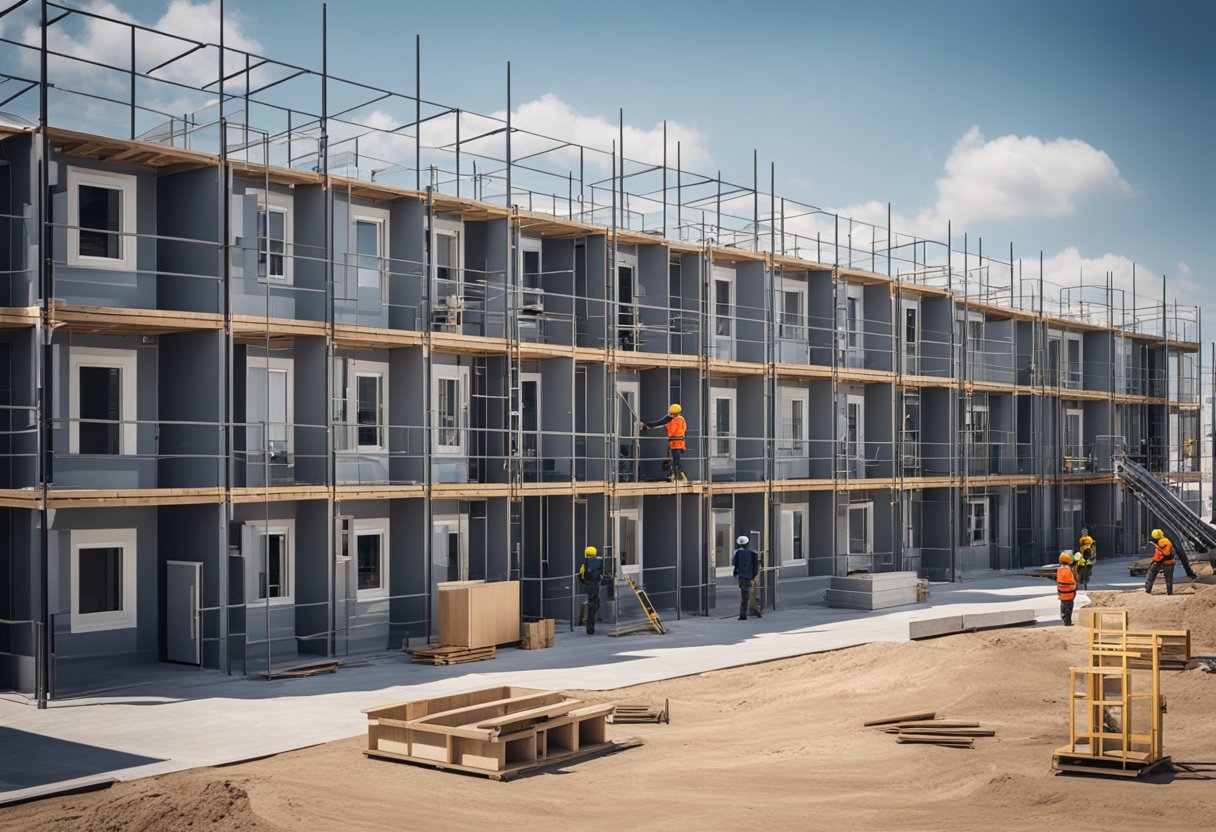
274 561
723 437
629 540
724 290
855 443
370 250
791 432
449 392
366 409
101 213
102 579
724 540
272 243
102 408
448 256
977 522
790 322
861 528
532 298
793 534
371 556
269 408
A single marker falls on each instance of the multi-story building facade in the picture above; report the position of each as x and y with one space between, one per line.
257 410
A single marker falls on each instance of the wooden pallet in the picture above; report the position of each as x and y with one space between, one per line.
549 762
442 656
1107 767
302 671
637 712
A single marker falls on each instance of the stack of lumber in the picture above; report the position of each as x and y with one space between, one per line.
496 732
446 654
535 635
634 712
928 729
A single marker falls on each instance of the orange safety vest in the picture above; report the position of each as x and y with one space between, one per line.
675 432
1066 583
1165 552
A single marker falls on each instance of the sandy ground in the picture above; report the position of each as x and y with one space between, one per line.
777 745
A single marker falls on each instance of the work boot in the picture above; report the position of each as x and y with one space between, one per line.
743 618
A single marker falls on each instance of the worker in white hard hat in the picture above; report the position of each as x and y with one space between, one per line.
745 564
676 429
591 575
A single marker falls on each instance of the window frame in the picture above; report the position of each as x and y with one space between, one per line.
793 286
271 364
459 374
125 360
380 218
367 527
730 395
283 204
985 527
633 513
264 530
787 516
454 230
127 185
356 369
788 445
715 514
124 619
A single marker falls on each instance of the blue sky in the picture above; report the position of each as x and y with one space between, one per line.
923 104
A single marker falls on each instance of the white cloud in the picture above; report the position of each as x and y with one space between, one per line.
1070 268
1021 176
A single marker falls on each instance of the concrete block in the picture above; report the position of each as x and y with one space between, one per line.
932 627
983 620
870 600
873 582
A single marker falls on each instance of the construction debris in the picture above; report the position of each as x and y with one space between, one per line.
496 732
445 655
303 671
635 712
927 729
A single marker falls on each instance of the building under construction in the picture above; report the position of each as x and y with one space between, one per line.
272 373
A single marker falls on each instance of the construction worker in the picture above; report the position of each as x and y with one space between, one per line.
1066 587
1087 553
1163 562
676 429
591 574
746 567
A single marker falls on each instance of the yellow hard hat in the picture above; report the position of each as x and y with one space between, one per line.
1157 535
1065 557
674 409
1085 541
589 552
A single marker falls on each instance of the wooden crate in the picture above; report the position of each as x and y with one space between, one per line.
536 635
478 614
498 732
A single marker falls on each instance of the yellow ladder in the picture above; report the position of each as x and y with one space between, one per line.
647 607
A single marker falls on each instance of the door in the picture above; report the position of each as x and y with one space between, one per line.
791 322
911 336
530 425
854 326
854 435
1074 450
627 429
531 295
793 534
183 600
723 317
626 295
629 542
449 556
722 437
724 540
861 535
793 450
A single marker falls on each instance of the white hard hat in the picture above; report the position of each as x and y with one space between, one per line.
742 541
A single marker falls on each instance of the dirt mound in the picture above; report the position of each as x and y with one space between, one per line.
172 803
1189 608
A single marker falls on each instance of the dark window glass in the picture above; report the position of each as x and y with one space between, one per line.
99 580
369 561
100 212
368 414
100 399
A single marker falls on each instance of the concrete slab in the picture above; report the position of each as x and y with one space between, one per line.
207 719
878 599
934 627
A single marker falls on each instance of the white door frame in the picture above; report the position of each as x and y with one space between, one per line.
724 571
448 372
910 352
856 456
723 345
787 532
634 513
868 508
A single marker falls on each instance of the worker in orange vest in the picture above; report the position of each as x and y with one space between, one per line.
1163 562
676 429
1066 587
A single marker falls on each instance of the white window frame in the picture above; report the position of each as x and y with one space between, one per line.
264 529
283 204
380 218
273 364
634 513
790 285
127 361
729 513
125 618
445 372
127 243
730 395
787 532
539 381
860 451
727 341
364 527
453 229
985 507
855 337
1074 450
1068 381
357 369
868 508
531 296
789 445
449 524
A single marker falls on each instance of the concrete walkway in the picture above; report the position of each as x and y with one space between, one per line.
201 718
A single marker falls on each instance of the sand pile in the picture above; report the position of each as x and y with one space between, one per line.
1189 608
173 803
